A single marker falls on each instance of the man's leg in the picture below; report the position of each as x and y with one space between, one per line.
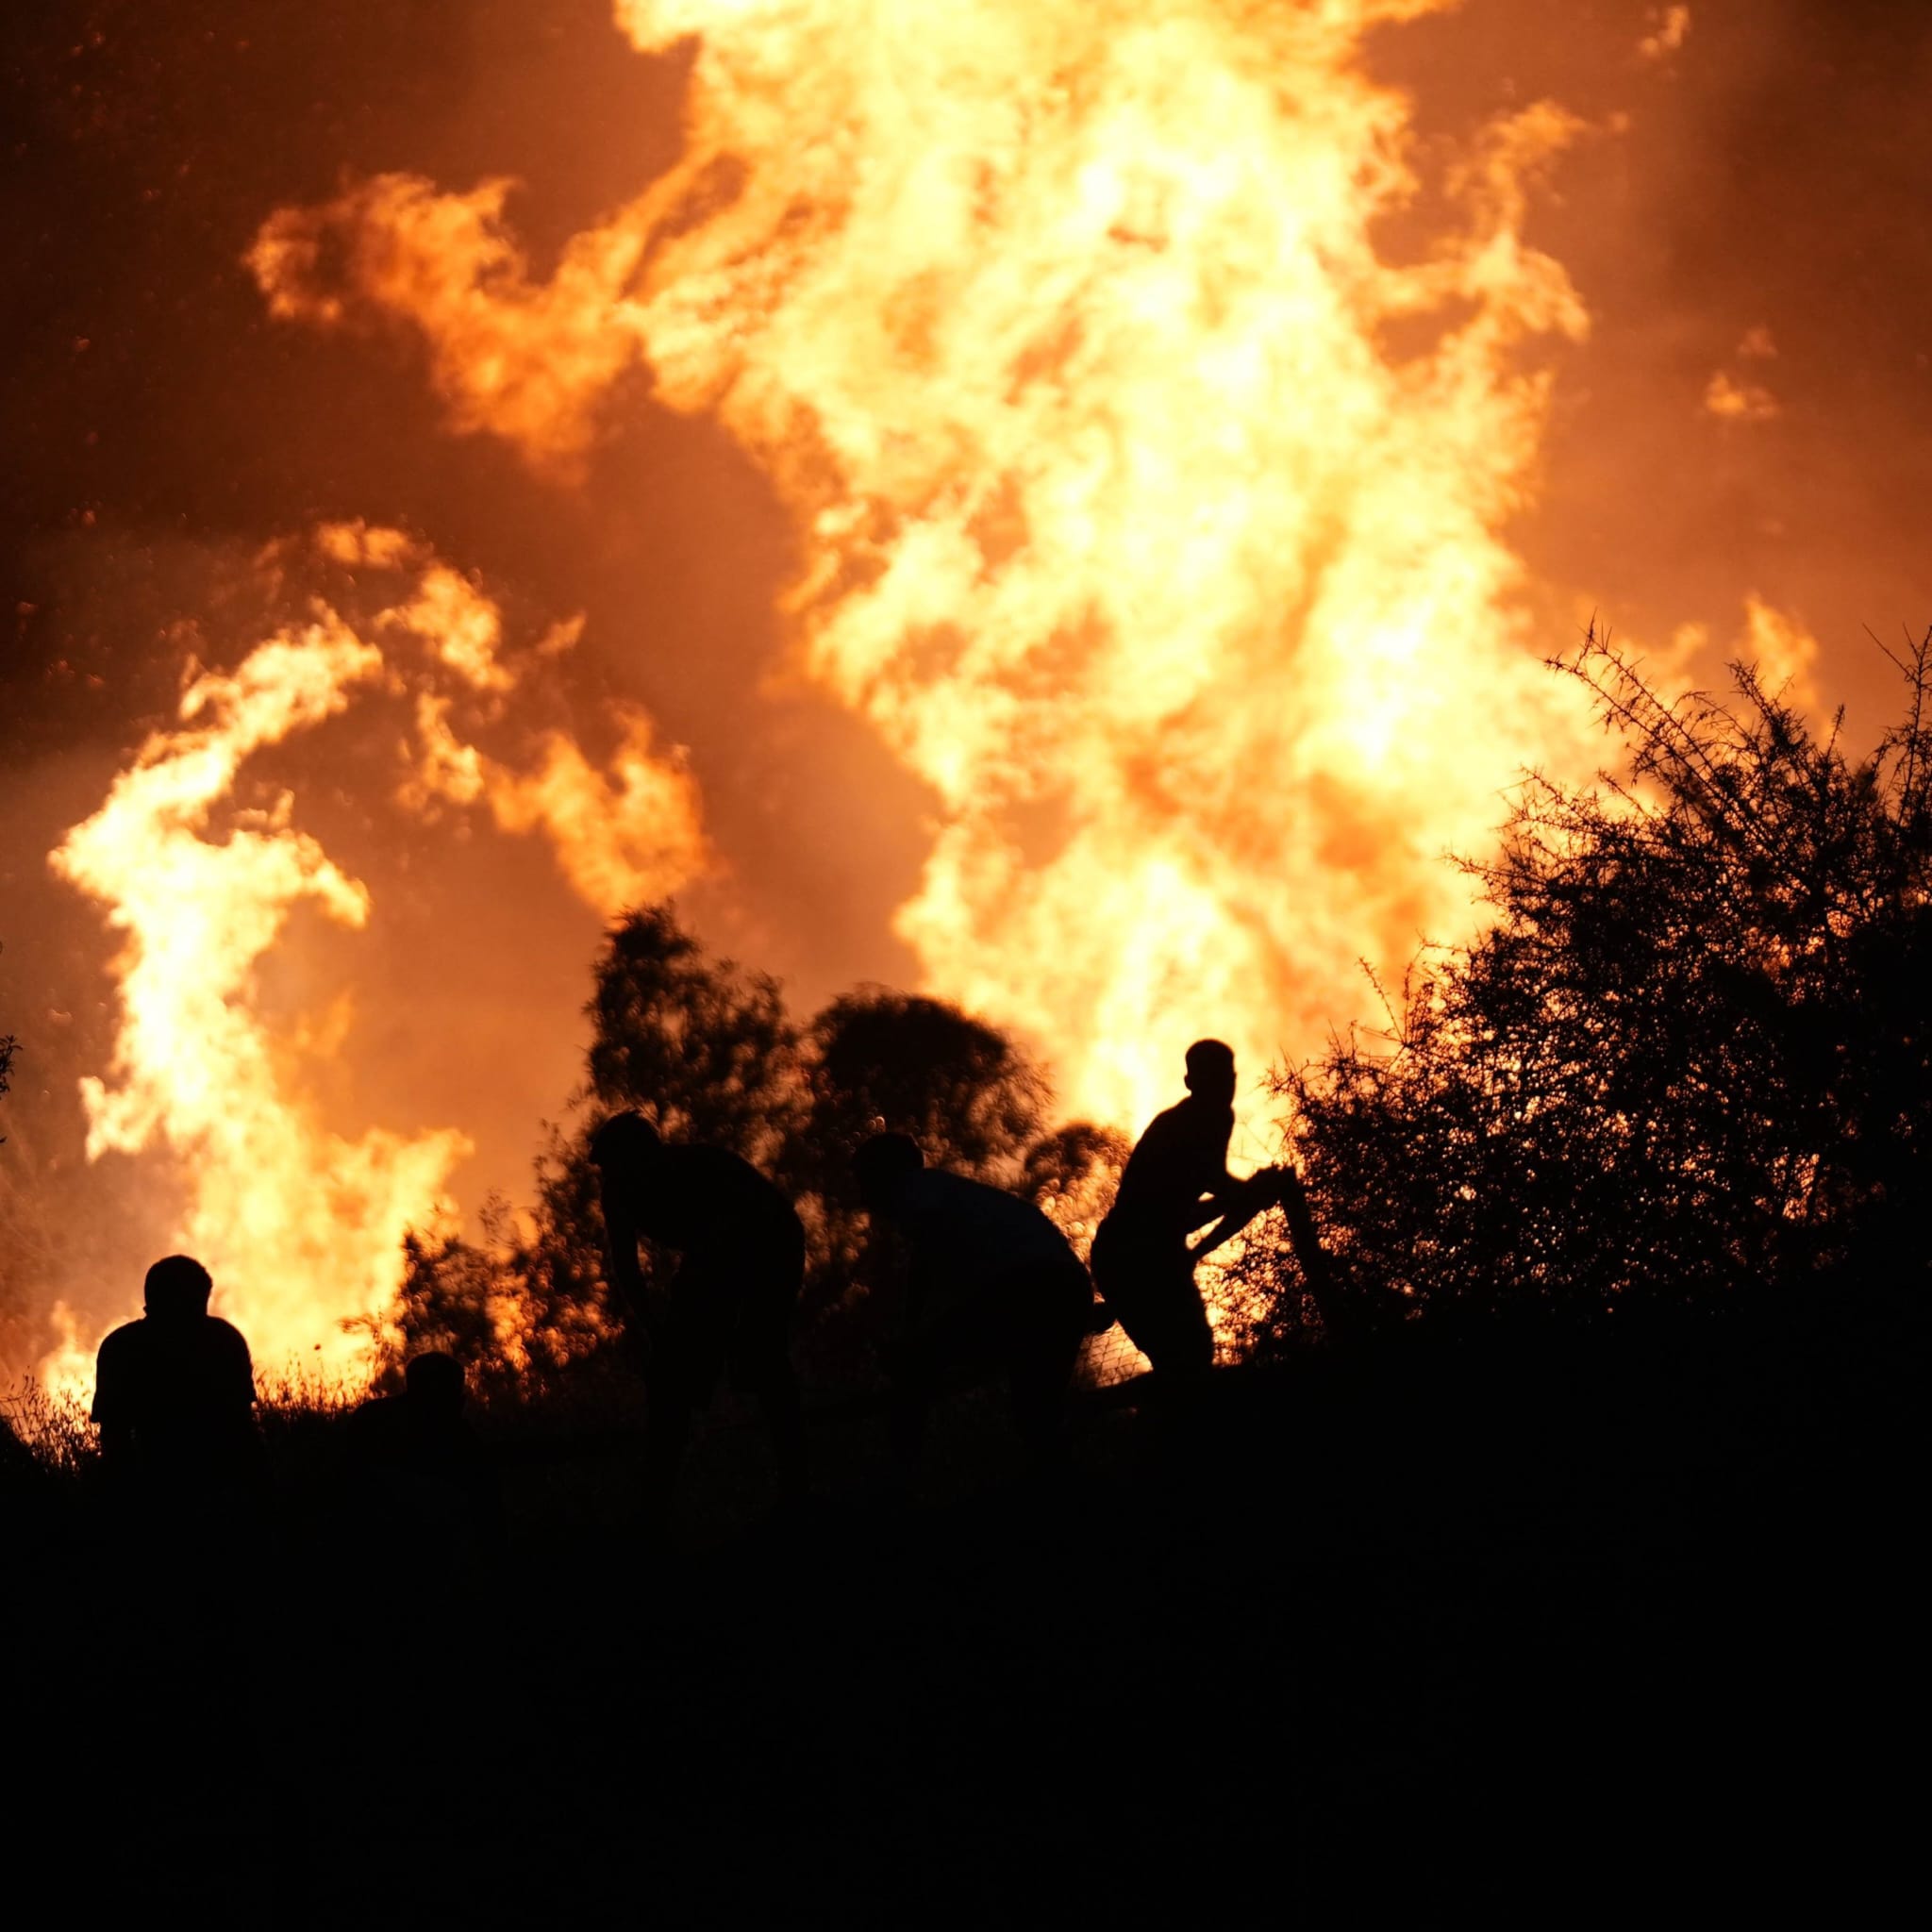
667 1432
784 1414
687 1354
911 1375
943 1355
760 1357
1182 1337
762 1365
1153 1297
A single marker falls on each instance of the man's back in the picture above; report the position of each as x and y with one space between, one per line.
966 1237
1181 1157
180 1391
702 1200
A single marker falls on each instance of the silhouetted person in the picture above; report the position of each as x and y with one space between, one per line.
1174 1184
729 1306
174 1392
427 1482
992 1288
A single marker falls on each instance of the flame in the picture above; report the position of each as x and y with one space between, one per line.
67 1371
1785 656
1150 510
300 1226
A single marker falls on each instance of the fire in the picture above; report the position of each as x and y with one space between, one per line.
1067 331
300 1226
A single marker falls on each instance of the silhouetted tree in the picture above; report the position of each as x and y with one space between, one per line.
1072 1173
878 1061
1689 1061
702 1047
522 1304
881 1061
707 1051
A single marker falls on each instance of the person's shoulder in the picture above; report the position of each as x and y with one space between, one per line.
699 1160
1174 1122
1202 1120
224 1341
942 1184
726 1169
983 1197
121 1357
375 1417
127 1340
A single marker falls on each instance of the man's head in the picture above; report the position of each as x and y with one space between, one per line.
626 1144
884 1168
1210 1072
178 1289
433 1386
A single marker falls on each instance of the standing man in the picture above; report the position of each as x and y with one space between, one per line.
740 1254
1176 1182
175 1393
992 1288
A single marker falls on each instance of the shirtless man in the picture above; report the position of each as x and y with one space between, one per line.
1176 1183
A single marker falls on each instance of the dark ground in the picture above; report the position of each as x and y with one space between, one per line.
1546 1631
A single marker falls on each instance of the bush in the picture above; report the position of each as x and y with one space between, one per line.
1687 1065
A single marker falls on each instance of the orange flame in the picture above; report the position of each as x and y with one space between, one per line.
1063 328
301 1226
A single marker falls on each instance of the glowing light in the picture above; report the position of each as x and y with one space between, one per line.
302 1226
1064 330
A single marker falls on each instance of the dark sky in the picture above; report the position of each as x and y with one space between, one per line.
1768 175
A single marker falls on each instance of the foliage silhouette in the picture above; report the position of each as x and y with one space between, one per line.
1072 1173
702 1046
708 1050
1686 1067
891 1062
879 1061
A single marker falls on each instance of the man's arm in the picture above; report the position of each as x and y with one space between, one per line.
109 1412
242 1381
621 1270
1235 1207
1224 1197
1227 1198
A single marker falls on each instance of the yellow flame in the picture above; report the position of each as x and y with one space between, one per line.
1063 328
1785 656
302 1226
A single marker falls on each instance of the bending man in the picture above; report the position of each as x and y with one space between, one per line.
741 1264
992 1288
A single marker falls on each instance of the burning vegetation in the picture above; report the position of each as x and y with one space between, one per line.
1149 503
